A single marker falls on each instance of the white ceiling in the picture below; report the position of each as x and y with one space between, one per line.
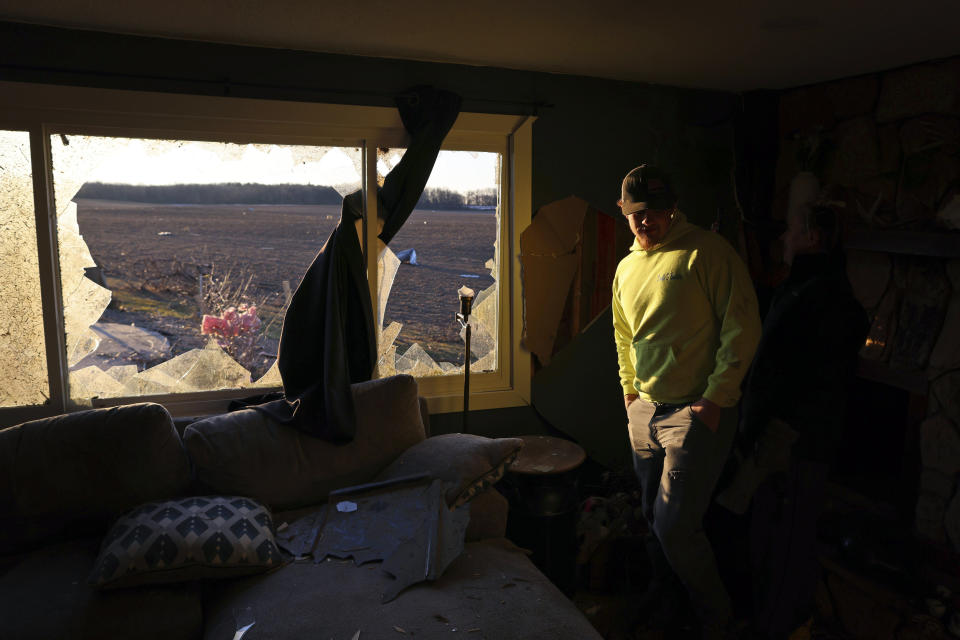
752 44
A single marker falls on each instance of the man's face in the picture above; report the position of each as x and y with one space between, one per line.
650 226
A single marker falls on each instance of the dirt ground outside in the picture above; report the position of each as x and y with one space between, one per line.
155 257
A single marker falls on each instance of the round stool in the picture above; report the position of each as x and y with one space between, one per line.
542 489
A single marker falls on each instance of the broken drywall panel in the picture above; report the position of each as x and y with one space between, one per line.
546 283
555 229
579 393
569 255
549 260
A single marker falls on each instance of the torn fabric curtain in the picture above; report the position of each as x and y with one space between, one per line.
328 340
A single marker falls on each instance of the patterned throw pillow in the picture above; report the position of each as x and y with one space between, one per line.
187 539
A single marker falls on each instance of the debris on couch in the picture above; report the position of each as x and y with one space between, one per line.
65 497
404 522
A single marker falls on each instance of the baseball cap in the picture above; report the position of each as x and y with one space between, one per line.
646 187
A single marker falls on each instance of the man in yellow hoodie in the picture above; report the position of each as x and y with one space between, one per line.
686 326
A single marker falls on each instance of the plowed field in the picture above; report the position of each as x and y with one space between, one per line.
154 257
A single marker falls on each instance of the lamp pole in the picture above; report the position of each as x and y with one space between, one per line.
466 302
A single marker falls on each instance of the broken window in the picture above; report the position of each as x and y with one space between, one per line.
178 258
449 240
177 227
22 352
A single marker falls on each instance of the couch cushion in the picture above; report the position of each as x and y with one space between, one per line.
74 474
46 595
246 453
489 591
187 539
467 464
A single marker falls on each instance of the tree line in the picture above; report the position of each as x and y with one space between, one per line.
228 193
449 199
237 193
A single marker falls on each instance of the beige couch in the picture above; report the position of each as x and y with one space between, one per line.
64 480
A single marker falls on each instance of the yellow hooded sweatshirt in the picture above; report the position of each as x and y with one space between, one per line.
685 318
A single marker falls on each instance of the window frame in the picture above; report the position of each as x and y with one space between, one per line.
45 110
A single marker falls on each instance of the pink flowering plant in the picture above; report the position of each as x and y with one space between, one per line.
236 330
232 323
239 316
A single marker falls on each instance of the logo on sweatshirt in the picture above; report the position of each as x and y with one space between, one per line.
673 275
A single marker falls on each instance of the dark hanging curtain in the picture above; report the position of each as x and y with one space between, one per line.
329 334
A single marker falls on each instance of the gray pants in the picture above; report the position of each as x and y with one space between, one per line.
678 460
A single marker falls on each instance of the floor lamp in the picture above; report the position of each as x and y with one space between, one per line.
466 302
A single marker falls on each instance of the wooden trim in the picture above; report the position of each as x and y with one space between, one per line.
521 171
167 113
478 401
51 290
370 242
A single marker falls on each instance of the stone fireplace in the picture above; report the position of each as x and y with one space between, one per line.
886 148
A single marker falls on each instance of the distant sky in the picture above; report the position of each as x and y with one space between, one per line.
152 162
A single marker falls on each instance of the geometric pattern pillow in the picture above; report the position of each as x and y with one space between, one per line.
187 539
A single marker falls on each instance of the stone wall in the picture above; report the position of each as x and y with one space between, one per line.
887 144
886 147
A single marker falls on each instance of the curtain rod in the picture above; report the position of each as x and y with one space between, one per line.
226 86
